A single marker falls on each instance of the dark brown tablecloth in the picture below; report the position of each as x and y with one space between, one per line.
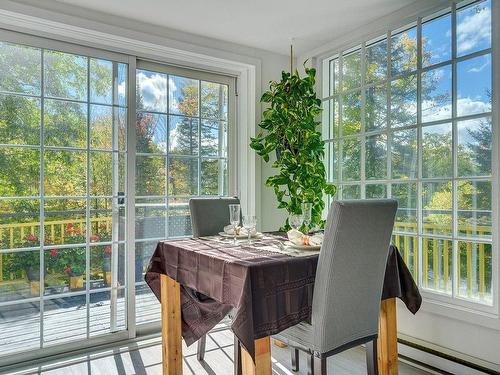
267 291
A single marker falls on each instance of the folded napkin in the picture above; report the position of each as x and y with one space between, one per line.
298 238
240 231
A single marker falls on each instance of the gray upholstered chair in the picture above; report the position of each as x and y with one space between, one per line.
348 285
209 216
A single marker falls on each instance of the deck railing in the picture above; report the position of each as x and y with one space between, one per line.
11 235
436 258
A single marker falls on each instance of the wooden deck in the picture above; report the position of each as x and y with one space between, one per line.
65 319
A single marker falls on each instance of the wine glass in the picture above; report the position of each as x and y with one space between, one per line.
306 212
249 222
234 217
295 221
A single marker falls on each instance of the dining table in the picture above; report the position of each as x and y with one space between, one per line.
267 286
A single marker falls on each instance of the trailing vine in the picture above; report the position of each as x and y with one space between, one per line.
289 128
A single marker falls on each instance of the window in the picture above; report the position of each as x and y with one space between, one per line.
409 116
64 160
181 144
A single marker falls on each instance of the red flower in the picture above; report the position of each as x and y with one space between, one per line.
94 238
67 270
31 237
108 250
70 231
78 230
53 253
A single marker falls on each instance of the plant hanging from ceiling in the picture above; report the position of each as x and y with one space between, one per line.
291 131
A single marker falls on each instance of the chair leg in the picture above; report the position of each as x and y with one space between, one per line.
200 354
237 356
316 366
310 364
295 359
371 357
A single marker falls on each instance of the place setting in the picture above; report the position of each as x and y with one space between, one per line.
240 227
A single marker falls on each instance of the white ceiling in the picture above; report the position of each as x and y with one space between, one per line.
266 24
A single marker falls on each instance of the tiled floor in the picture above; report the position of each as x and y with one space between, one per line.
146 359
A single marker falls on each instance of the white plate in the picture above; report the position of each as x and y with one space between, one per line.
304 247
240 236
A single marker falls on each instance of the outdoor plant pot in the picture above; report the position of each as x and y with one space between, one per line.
106 270
33 276
107 278
76 282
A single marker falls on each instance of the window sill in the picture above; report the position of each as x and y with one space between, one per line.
430 305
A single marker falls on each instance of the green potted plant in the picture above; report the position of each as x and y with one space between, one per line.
101 254
72 262
28 263
290 129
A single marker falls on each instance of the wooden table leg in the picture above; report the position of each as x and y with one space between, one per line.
388 339
171 326
262 365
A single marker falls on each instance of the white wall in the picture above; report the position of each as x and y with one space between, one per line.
272 218
463 333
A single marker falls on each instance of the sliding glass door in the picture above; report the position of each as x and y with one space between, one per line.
181 152
63 120
76 227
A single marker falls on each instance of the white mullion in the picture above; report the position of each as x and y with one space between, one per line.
496 148
455 258
199 138
363 120
341 119
419 156
42 198
166 158
115 224
130 197
388 129
87 214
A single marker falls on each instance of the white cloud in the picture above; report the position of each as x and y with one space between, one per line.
432 112
465 106
153 91
173 138
473 30
478 69
173 88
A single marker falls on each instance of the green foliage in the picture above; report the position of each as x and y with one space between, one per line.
291 130
27 261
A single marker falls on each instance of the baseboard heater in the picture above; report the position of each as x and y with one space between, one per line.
439 354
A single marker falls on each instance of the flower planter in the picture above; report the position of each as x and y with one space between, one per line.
107 278
76 282
35 288
33 276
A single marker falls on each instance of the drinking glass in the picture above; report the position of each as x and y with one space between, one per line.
234 217
295 221
306 213
249 222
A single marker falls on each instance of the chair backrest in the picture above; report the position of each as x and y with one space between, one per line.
350 273
210 215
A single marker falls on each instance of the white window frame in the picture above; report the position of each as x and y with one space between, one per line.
47 44
231 160
441 300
